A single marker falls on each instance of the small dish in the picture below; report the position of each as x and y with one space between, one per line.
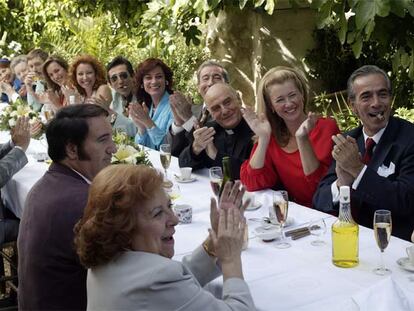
404 263
253 207
267 233
179 179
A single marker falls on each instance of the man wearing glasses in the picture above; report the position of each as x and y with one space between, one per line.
186 115
121 78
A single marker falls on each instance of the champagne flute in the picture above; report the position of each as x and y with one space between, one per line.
165 157
279 213
382 231
216 178
317 228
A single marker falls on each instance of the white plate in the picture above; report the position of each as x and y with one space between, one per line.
405 264
267 233
180 180
254 207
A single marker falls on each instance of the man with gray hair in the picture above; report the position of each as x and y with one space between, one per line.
376 159
227 135
186 115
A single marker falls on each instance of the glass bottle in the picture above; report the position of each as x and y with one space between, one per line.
345 233
227 176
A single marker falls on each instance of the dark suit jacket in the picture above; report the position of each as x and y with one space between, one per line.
237 146
394 192
182 139
12 160
50 274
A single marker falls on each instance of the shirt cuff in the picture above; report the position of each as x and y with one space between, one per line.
335 192
175 129
359 177
188 125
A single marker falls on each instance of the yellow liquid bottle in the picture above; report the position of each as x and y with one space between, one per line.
345 234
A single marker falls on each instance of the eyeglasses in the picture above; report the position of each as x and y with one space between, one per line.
123 75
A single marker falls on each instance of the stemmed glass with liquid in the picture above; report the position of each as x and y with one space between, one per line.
382 231
279 214
165 157
216 178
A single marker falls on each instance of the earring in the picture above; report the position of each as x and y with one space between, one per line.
166 82
142 86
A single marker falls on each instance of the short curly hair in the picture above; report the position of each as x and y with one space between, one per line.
110 219
97 67
142 69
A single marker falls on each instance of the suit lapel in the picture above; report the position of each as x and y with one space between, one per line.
384 145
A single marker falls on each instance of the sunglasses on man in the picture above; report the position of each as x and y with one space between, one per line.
122 75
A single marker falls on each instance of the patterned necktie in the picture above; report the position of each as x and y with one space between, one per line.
369 147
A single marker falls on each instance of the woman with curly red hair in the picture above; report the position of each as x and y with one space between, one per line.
125 238
89 79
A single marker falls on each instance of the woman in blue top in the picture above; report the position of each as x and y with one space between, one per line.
152 114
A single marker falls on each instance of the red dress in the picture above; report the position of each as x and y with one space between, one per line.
284 170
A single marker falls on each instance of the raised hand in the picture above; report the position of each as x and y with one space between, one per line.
228 240
20 134
140 115
346 154
232 196
308 125
202 137
259 124
180 107
35 128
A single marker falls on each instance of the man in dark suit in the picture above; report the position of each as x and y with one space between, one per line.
375 159
12 159
50 274
186 115
227 135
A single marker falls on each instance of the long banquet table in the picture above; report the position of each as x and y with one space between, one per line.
301 277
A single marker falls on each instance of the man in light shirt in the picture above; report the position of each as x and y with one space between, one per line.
376 159
187 115
50 274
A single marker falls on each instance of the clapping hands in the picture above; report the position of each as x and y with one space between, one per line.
20 133
307 126
180 107
258 123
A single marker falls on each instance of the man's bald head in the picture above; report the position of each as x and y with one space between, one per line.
224 105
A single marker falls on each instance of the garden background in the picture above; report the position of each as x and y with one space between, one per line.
328 39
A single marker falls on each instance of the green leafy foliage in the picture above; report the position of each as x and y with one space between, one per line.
390 23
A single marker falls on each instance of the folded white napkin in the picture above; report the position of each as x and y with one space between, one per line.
385 295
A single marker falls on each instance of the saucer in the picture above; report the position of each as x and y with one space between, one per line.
254 206
179 179
267 233
405 264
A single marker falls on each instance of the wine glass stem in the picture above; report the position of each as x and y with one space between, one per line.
166 175
382 266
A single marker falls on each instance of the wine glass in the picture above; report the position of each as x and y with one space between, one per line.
279 213
317 228
382 231
174 192
165 157
216 178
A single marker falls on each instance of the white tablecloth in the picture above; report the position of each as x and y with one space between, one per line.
301 277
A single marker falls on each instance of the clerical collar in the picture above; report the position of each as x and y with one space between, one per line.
229 132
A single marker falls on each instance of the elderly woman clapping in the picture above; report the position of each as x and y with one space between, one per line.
126 240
